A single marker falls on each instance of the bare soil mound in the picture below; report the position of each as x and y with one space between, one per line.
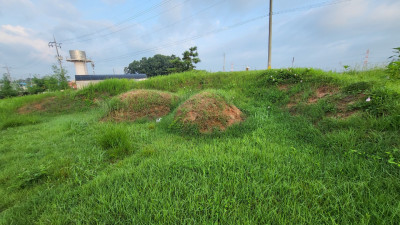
208 111
139 104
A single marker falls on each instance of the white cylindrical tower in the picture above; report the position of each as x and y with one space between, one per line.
79 59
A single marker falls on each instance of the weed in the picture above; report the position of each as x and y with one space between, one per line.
357 87
16 121
115 140
30 177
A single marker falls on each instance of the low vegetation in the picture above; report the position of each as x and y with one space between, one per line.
307 147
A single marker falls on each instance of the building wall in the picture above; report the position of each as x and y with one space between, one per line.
81 68
82 84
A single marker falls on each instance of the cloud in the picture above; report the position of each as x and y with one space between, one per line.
18 36
112 2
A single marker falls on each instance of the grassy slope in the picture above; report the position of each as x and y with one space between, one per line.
274 168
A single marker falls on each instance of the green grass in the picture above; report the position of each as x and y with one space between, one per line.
277 167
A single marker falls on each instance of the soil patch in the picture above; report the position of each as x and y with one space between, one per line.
343 105
141 104
284 87
208 111
294 100
40 106
322 92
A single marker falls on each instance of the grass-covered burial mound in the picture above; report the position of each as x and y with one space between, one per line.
206 112
140 104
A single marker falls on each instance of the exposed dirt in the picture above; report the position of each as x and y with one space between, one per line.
343 104
284 87
322 92
142 104
208 111
294 100
40 106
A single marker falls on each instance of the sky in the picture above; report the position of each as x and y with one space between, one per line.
325 34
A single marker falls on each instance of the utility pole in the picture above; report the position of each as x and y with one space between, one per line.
93 67
59 58
270 34
366 60
8 72
224 62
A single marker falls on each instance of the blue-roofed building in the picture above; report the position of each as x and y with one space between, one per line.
84 80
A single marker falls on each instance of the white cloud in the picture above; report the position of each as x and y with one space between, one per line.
113 1
17 36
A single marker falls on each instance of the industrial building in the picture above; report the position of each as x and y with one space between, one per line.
82 77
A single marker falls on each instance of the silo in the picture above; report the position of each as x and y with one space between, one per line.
79 59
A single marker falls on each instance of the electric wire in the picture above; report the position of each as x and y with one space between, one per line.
130 26
195 37
143 12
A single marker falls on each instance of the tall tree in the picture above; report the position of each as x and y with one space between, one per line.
190 57
187 62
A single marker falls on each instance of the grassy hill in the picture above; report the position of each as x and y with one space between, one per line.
314 147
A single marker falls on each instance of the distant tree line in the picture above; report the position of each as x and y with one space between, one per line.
54 82
163 65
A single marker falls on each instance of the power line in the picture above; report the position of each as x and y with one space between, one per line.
144 12
173 43
129 26
170 44
177 22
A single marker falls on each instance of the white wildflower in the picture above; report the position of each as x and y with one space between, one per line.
158 120
368 99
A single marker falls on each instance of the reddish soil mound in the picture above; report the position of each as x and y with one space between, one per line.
208 111
140 104
40 106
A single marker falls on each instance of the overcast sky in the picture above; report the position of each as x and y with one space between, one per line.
324 34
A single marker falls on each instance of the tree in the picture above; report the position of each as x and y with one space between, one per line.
37 86
190 57
187 62
6 89
163 65
152 66
61 77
